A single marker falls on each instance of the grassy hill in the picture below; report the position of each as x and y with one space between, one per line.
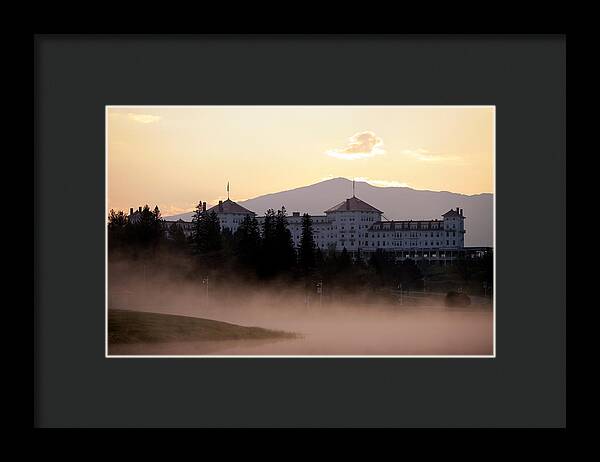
126 326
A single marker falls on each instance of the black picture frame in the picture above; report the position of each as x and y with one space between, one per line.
77 76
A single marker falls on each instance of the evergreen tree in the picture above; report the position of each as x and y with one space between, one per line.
157 225
286 254
116 220
277 252
269 226
210 233
247 243
177 236
146 231
306 251
206 231
268 254
227 237
117 228
196 236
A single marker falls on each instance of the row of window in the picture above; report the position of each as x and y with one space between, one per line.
354 219
399 244
415 234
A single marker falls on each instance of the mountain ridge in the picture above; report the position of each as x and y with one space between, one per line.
396 202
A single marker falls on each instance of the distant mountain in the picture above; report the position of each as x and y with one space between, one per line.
397 203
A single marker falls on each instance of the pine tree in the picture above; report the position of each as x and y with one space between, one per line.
157 224
268 250
269 226
147 230
284 244
117 228
177 236
247 242
210 233
116 220
196 236
306 251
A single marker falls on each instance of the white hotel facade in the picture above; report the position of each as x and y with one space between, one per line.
358 227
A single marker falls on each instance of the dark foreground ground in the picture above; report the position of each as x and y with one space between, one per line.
136 327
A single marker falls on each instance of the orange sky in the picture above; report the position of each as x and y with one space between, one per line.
175 156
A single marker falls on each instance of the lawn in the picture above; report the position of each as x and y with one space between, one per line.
126 326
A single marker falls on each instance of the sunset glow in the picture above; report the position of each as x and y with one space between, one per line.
175 156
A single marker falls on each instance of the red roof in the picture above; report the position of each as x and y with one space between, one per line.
229 206
354 204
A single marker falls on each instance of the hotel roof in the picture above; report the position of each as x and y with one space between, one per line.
354 204
452 213
228 206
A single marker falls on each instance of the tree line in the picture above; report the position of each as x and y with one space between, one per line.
266 251
260 252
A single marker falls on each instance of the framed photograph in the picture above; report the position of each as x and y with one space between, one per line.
257 231
310 243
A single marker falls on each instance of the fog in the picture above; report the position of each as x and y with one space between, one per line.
331 325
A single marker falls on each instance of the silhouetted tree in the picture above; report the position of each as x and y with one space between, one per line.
306 250
409 274
196 236
286 254
177 236
227 237
247 243
277 251
146 230
268 251
210 233
157 223
117 228
344 261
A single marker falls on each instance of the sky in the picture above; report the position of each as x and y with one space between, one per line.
175 157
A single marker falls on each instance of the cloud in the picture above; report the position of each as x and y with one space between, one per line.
427 156
143 118
360 146
383 183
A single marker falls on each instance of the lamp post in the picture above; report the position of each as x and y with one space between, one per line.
320 292
205 282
